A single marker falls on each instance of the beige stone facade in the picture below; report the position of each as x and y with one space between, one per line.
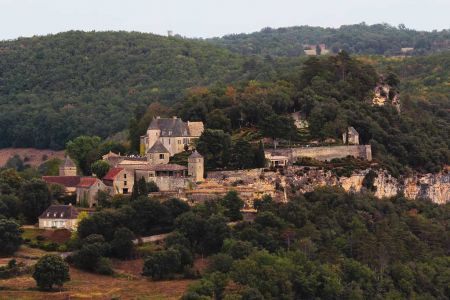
87 191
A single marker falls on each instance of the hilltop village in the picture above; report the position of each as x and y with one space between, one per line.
166 137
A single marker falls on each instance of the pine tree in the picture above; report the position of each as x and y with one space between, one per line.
260 158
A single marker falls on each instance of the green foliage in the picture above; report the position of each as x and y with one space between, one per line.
233 205
100 168
10 236
51 270
84 150
215 146
360 38
50 167
122 243
80 81
163 264
36 197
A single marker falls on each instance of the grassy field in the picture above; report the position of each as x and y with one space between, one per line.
129 284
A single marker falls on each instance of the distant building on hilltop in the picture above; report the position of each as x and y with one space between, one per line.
351 136
174 134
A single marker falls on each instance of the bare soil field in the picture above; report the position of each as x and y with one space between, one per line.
85 285
34 156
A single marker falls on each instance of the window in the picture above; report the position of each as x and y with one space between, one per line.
161 156
179 142
125 191
124 175
124 183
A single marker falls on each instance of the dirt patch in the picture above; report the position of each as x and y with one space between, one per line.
85 285
128 267
33 156
57 236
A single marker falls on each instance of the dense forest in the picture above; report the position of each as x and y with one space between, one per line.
361 38
58 87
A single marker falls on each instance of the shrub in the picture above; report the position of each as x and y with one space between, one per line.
51 270
104 266
10 236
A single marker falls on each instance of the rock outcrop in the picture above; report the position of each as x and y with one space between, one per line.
435 187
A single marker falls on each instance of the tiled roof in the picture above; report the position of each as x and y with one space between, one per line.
158 147
86 182
111 175
67 181
59 212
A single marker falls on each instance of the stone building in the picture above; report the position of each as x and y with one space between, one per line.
158 154
351 136
119 181
196 166
68 168
87 191
59 216
173 133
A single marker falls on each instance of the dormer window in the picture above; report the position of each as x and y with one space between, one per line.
48 214
62 215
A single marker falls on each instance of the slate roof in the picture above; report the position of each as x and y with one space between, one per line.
67 181
352 130
158 147
59 212
170 126
195 154
87 182
68 163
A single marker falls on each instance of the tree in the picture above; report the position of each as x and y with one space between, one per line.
10 206
242 155
10 236
152 187
318 50
122 244
278 127
100 168
233 205
84 150
260 157
215 146
218 120
51 270
162 264
36 197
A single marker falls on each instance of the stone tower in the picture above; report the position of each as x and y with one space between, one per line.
158 154
68 168
196 166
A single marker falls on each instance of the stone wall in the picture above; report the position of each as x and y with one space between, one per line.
326 152
171 183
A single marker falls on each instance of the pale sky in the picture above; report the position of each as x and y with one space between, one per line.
202 18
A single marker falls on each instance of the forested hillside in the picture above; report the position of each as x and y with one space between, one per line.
57 87
358 39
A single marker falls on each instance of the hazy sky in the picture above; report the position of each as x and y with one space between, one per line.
202 18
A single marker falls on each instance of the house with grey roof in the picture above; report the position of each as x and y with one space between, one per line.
59 216
173 133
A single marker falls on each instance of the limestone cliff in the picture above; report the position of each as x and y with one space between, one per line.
435 187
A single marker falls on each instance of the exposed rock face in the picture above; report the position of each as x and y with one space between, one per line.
435 187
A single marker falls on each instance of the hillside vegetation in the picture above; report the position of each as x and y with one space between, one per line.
358 39
57 87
